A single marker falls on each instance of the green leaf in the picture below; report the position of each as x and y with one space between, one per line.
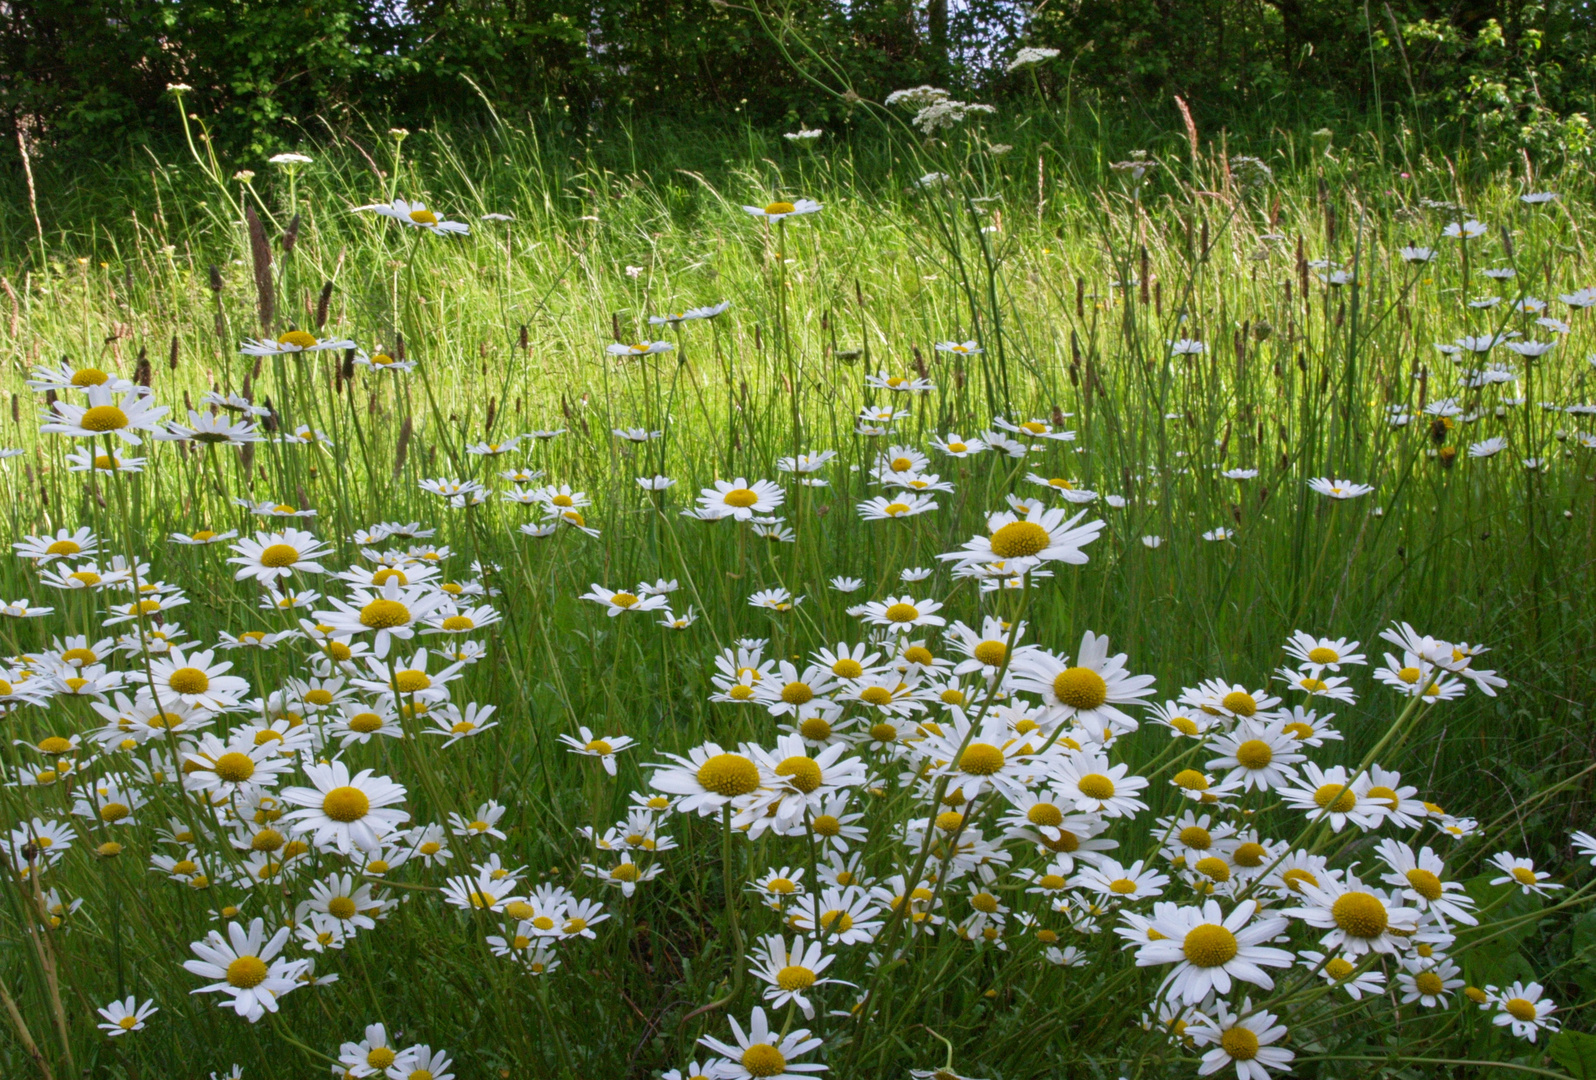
1576 1053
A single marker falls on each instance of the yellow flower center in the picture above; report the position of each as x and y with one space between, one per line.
1409 675
1380 793
114 811
742 498
411 682
729 774
919 654
1523 876
63 547
797 693
980 759
826 825
1080 688
1213 868
902 613
458 623
234 768
777 207
1210 945
991 653
103 418
1240 1043
1425 883
762 1059
246 972
795 977
1520 1009
1360 914
1249 854
423 217
341 907
884 732
279 555
816 729
365 722
1254 754
1196 837
380 1057
624 872
387 573
1337 798
1066 842
384 614
847 668
55 744
345 804
1428 982
1045 814
1020 539
267 840
801 772
1096 786
1240 703
1323 655
298 339
950 821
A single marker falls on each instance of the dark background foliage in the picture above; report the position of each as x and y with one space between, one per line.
89 77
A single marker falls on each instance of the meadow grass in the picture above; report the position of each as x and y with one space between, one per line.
1076 281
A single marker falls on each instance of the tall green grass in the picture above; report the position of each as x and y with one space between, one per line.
1075 279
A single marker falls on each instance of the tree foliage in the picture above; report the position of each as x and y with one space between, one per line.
88 76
